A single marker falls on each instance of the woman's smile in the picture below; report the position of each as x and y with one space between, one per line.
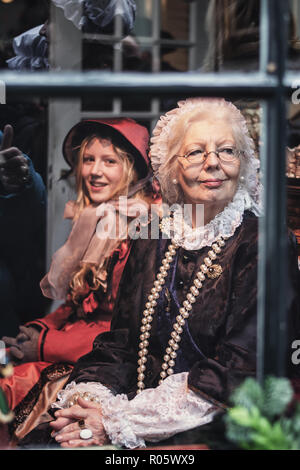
102 170
97 185
212 183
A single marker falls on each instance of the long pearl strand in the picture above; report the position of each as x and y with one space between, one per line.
184 312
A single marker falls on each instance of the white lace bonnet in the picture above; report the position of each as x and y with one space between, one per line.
159 148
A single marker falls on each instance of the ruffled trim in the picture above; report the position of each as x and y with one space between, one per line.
27 63
95 389
223 225
114 411
31 51
117 424
153 415
159 151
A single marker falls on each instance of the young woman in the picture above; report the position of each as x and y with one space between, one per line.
109 159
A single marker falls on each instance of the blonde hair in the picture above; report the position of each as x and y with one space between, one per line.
88 277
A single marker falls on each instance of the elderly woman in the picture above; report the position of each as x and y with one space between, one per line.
183 333
108 159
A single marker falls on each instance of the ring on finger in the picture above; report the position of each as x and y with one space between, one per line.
85 433
81 424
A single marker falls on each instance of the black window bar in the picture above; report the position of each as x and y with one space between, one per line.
272 85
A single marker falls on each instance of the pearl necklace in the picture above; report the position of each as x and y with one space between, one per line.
206 269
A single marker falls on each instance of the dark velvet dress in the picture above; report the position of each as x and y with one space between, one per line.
218 344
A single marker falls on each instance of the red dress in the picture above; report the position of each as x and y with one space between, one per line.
64 338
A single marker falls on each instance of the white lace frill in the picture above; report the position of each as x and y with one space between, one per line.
223 225
95 388
153 415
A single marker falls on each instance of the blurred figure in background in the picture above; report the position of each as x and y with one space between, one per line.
22 218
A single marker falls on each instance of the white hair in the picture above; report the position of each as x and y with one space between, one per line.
169 133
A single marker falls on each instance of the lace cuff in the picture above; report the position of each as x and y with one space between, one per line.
91 391
155 414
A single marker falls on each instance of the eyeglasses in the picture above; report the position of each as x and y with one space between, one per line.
226 155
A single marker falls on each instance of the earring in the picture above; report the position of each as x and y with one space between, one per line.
242 179
174 181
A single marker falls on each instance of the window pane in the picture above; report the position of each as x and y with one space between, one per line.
294 35
174 19
144 18
293 170
181 35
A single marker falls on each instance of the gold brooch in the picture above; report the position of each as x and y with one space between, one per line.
214 271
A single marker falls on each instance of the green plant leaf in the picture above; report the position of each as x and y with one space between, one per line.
240 416
248 394
295 420
277 395
235 433
3 403
256 420
262 425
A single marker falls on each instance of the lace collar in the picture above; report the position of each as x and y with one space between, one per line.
223 225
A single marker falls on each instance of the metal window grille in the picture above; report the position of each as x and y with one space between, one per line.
272 85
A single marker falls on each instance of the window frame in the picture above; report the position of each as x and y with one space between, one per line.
272 84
